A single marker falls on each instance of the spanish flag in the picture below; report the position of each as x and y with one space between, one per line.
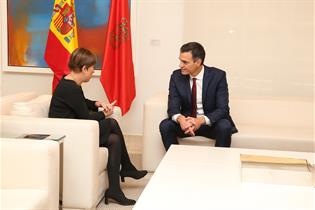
62 39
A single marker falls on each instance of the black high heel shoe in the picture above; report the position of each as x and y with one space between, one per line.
136 174
119 197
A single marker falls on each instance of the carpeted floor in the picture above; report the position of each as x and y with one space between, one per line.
132 189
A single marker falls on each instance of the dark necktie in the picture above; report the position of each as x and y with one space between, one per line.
194 99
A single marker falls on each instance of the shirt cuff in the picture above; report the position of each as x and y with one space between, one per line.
208 122
174 117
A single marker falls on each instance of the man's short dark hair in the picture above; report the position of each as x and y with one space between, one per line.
81 57
196 50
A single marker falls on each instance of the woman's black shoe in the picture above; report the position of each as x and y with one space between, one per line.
119 197
136 174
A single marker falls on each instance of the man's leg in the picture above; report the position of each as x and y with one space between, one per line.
169 131
223 134
220 131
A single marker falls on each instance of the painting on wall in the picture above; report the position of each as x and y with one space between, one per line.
28 24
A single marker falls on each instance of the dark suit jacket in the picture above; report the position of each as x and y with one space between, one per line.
215 95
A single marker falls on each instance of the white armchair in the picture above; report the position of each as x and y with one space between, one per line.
273 124
29 174
84 162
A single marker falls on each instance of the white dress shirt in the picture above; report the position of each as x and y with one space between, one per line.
200 112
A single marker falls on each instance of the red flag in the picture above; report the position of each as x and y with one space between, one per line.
62 39
117 76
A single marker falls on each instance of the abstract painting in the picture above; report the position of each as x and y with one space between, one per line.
28 24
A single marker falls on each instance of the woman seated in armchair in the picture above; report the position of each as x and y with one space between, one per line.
68 101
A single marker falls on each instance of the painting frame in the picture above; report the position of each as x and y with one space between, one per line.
5 67
4 48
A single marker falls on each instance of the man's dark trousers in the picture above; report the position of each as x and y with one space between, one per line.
220 131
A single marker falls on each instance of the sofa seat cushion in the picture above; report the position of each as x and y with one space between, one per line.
24 199
196 140
271 137
37 107
102 159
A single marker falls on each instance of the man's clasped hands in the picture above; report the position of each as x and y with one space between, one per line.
190 124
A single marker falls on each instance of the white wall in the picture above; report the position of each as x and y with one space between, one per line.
265 46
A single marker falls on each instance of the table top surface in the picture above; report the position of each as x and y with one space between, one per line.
34 136
194 177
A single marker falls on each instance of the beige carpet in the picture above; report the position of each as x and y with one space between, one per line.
132 189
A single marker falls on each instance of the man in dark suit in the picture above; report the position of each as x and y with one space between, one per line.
198 101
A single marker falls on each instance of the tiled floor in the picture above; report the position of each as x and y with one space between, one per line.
132 189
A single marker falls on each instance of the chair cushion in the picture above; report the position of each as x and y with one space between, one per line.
197 140
6 102
37 107
274 138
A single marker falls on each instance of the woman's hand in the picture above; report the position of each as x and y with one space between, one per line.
107 108
108 113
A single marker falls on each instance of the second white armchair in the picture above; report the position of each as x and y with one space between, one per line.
84 162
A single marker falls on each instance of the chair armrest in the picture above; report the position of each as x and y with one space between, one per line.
31 165
80 155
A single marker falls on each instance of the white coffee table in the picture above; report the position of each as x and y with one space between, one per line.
194 177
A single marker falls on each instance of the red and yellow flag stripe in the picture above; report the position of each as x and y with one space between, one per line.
62 38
